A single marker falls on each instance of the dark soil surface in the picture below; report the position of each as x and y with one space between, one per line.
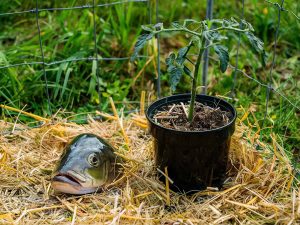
205 117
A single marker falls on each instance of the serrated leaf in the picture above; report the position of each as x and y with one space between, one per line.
222 52
182 52
196 41
213 36
230 23
175 76
234 22
226 23
175 70
245 24
256 43
140 43
170 60
181 55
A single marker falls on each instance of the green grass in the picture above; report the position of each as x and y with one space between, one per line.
73 85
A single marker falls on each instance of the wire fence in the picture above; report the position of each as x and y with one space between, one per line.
95 58
147 3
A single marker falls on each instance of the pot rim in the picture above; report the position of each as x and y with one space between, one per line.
192 132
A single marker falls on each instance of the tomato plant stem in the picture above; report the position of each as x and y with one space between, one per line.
194 85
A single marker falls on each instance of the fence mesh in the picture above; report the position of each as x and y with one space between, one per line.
148 3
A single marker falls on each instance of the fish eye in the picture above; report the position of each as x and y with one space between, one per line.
93 160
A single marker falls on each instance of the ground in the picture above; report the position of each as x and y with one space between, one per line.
260 187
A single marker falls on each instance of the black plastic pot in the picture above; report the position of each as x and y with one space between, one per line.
194 159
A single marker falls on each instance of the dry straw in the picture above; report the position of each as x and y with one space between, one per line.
261 188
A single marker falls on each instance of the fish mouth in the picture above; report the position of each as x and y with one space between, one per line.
67 178
70 183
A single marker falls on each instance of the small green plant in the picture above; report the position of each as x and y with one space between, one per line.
202 35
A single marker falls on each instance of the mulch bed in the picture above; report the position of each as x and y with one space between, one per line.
260 188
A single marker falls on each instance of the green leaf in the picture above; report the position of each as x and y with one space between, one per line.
226 23
258 47
256 43
175 71
175 76
213 36
93 80
264 58
187 71
230 23
182 54
175 65
148 28
222 52
245 24
140 43
69 70
234 22
158 26
170 60
188 22
196 41
58 76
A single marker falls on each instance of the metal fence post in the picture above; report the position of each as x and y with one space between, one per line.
158 54
43 57
270 88
232 93
96 52
209 13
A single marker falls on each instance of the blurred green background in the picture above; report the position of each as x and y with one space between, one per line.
69 34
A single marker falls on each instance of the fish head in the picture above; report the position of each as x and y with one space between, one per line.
87 164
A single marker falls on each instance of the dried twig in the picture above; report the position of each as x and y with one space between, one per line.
184 109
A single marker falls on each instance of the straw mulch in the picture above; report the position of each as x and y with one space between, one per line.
260 188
